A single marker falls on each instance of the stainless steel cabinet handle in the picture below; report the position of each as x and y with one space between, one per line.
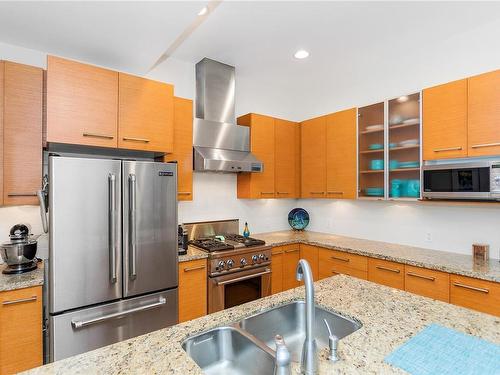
21 300
282 192
486 145
317 192
187 269
267 271
291 251
395 270
465 286
431 278
112 227
267 192
144 140
341 259
335 192
83 323
183 193
94 135
132 227
277 253
447 149
21 195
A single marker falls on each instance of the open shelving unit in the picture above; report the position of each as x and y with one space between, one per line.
390 132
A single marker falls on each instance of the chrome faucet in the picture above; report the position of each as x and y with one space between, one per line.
309 360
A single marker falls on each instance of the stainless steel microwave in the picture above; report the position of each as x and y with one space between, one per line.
479 180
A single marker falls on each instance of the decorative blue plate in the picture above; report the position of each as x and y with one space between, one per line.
298 218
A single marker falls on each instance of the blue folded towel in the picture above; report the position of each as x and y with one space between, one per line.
438 350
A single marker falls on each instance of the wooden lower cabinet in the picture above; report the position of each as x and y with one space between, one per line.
311 254
291 257
427 283
475 294
333 262
386 273
192 289
277 268
21 345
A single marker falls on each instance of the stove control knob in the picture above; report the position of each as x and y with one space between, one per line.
262 257
255 259
243 262
230 264
220 265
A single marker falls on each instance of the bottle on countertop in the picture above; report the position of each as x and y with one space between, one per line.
246 231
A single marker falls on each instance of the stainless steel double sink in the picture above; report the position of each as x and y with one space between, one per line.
247 347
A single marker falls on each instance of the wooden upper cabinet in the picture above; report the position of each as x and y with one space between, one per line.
445 121
22 132
183 147
2 81
484 114
82 103
145 114
259 185
287 158
313 151
341 154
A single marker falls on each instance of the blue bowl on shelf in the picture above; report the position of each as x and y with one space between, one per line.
377 164
409 164
374 192
395 188
298 219
376 146
413 188
393 164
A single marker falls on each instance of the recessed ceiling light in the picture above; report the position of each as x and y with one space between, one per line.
301 54
402 99
203 11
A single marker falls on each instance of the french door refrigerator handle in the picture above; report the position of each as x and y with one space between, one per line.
112 227
132 227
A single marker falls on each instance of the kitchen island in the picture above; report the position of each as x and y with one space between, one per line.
389 318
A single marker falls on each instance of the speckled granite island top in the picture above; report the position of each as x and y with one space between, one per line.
389 317
24 280
415 256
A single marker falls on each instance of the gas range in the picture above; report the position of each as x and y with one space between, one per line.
230 253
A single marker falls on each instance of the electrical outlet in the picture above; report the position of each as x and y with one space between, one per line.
428 237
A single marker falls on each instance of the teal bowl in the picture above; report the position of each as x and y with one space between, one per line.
374 192
375 146
377 164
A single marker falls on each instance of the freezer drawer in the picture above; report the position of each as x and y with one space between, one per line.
87 329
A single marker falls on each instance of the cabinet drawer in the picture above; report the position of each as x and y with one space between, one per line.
386 273
20 312
475 294
427 283
328 268
343 260
192 289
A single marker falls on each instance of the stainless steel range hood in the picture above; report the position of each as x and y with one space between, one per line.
219 144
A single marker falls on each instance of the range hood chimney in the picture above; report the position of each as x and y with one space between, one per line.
219 144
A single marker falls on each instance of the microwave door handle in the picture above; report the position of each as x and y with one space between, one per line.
132 227
112 228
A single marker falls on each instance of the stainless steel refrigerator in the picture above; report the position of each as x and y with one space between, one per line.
112 269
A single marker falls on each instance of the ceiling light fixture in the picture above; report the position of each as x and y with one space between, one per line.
301 54
203 11
402 99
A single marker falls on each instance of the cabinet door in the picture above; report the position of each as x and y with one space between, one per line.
310 253
183 147
475 294
341 154
145 115
428 283
192 289
484 114
82 103
22 129
291 257
21 346
386 273
259 185
277 268
2 80
287 158
313 151
445 121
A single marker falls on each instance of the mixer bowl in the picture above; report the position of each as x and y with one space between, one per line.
18 253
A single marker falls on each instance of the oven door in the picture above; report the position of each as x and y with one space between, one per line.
236 288
457 182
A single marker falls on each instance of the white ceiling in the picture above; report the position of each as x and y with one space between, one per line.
353 45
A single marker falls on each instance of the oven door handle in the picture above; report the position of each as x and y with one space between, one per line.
246 277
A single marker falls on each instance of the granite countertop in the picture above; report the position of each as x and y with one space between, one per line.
389 317
193 253
23 280
416 256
